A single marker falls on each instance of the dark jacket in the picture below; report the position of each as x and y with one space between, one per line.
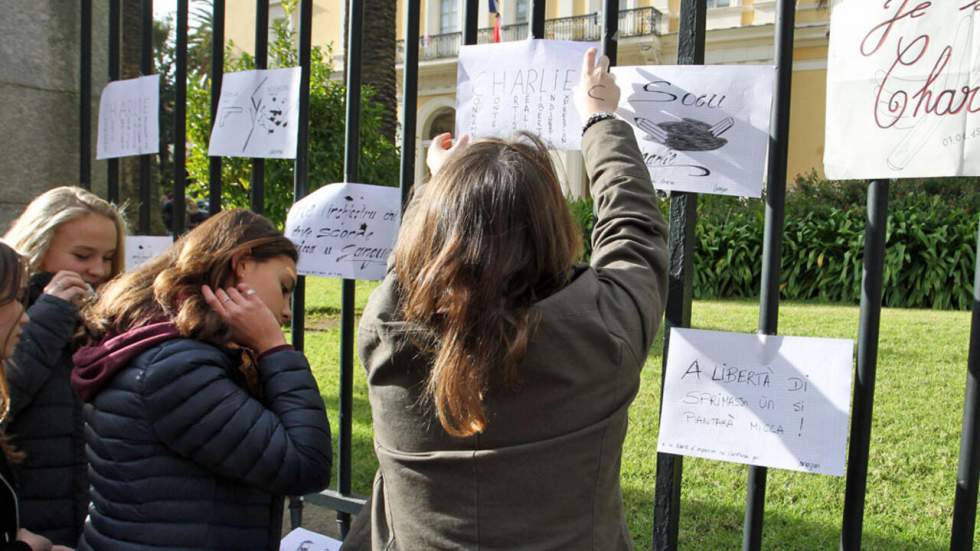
45 422
182 456
545 473
9 510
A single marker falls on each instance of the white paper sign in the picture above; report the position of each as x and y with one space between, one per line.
301 539
141 248
129 112
258 114
903 90
527 85
345 230
703 129
770 401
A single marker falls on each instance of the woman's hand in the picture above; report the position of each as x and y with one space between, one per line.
252 323
442 149
597 91
37 542
69 286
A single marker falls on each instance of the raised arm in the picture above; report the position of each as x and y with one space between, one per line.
629 239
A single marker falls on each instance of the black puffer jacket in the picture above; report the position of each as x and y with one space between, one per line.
183 457
45 422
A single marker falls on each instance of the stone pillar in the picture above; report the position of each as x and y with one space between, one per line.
39 92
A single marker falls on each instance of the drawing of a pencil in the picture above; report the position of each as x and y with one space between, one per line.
652 130
722 127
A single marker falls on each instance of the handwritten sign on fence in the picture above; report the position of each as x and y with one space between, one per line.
345 230
129 118
770 401
703 129
258 114
301 539
142 248
524 85
903 90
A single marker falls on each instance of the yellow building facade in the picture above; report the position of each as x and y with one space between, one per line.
739 32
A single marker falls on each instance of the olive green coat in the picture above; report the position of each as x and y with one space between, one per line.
545 473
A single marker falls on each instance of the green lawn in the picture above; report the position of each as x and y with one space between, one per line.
915 434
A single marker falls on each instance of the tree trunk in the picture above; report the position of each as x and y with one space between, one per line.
378 58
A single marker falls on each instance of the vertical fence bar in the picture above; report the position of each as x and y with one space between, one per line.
867 365
301 180
85 97
410 81
965 504
471 12
680 282
351 157
217 73
112 173
610 30
146 68
755 499
681 245
536 28
180 121
261 62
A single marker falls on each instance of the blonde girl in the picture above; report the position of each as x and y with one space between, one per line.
73 243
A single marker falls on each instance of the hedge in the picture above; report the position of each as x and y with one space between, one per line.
930 248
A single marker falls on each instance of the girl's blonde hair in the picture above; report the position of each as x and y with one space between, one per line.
33 231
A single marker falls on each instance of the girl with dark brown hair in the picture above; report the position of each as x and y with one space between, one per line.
13 319
500 371
199 417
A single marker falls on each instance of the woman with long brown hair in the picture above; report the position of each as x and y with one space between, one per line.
200 417
13 319
500 371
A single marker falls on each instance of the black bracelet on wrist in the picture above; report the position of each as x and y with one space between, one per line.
596 117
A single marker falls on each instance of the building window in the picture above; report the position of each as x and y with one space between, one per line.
444 122
720 3
449 16
521 12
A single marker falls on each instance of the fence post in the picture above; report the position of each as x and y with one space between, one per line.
410 93
261 62
217 74
112 174
755 499
180 121
354 45
680 245
965 504
867 362
146 68
301 178
537 15
471 12
85 97
610 30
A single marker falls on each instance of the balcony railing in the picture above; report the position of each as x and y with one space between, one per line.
632 23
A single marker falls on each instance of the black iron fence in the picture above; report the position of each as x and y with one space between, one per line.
632 23
639 22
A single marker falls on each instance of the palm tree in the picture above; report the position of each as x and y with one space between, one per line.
378 58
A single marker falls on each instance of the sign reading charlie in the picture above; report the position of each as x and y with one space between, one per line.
525 85
903 89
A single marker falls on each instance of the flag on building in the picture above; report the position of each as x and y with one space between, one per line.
495 14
